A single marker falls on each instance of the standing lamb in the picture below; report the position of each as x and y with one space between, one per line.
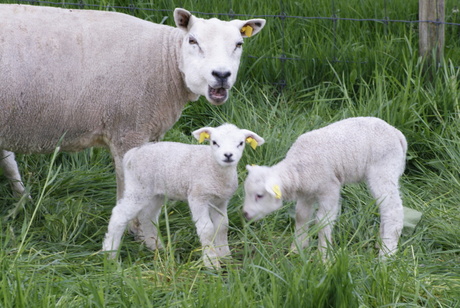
107 79
205 176
319 163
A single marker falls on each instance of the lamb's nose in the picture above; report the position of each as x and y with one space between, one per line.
246 215
228 155
222 76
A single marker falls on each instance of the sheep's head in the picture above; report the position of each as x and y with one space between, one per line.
211 52
263 192
227 142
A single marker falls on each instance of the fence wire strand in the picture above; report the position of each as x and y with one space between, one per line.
282 16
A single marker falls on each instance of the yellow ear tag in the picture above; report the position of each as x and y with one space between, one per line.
247 30
276 189
252 142
203 136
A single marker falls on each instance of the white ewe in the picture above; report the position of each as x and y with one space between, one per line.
203 175
107 79
319 163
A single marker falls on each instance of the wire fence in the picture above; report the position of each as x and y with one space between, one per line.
300 44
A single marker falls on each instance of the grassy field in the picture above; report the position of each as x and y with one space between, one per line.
49 247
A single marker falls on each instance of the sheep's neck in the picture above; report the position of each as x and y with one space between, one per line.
290 179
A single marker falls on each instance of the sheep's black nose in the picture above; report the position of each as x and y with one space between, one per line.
228 155
222 76
246 215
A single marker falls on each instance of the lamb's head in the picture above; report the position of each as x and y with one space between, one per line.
262 192
227 142
211 52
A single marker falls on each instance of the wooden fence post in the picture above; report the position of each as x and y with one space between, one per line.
431 34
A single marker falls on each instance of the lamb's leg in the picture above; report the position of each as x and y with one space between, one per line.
148 222
385 190
122 213
328 209
304 212
10 167
219 219
205 230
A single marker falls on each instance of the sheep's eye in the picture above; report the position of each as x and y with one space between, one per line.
239 44
259 196
214 143
192 41
241 144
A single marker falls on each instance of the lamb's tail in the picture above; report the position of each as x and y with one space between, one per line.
128 156
403 142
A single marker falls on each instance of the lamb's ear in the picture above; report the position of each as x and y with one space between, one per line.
253 139
274 190
203 134
249 27
183 19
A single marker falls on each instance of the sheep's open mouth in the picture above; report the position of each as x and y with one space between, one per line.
218 95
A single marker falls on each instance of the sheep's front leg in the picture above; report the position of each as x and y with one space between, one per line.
329 205
205 230
10 167
219 219
304 212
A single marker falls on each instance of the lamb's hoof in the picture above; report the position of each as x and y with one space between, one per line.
211 260
110 254
134 227
153 243
211 263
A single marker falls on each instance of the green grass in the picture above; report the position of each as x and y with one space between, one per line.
49 247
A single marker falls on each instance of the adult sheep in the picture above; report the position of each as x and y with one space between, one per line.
107 79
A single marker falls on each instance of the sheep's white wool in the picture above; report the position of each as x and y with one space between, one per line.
319 163
107 79
203 175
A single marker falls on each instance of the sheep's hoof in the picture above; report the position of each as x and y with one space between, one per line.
111 254
210 259
134 226
153 243
211 262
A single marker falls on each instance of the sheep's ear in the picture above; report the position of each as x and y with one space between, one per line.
274 190
202 134
253 139
249 27
183 19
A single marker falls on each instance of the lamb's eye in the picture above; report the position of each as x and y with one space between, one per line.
192 41
214 143
239 44
241 144
259 196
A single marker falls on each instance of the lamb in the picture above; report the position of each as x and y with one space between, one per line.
107 79
319 163
205 176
